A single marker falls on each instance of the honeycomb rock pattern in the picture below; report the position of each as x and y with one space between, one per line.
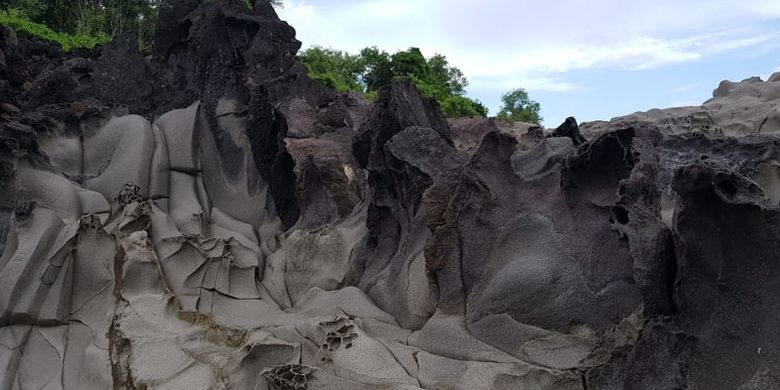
338 333
130 193
91 221
227 256
288 376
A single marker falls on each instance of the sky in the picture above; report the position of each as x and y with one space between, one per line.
591 59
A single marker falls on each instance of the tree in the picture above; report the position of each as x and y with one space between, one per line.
336 69
19 21
433 77
372 69
377 69
517 107
86 21
456 106
449 77
410 64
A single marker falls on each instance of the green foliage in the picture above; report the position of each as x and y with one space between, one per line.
18 20
410 64
336 69
456 106
372 69
119 16
88 20
449 77
517 107
377 69
32 8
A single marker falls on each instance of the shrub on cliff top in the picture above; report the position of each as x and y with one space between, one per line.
372 69
19 21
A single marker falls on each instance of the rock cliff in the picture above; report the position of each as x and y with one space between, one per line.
208 217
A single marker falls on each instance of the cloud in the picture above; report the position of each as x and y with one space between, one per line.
542 46
512 81
636 53
632 37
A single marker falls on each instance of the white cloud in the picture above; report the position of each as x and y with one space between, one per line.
477 38
633 53
511 81
503 44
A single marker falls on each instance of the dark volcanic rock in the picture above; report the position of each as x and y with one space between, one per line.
467 133
247 221
223 50
404 145
569 129
81 78
240 63
727 238
533 254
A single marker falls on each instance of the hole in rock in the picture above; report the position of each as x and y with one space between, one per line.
241 32
620 214
728 188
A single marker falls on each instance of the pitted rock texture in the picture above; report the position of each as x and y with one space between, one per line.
211 218
339 332
288 377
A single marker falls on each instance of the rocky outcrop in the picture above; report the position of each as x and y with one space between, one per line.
208 217
390 260
736 109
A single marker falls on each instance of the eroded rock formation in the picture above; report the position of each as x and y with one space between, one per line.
208 217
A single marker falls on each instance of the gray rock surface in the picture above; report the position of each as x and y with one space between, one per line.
736 109
211 218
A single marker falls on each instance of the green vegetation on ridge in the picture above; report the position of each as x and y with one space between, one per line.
81 23
19 21
517 107
372 69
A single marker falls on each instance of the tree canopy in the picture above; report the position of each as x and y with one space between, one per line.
372 69
517 107
336 69
80 23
